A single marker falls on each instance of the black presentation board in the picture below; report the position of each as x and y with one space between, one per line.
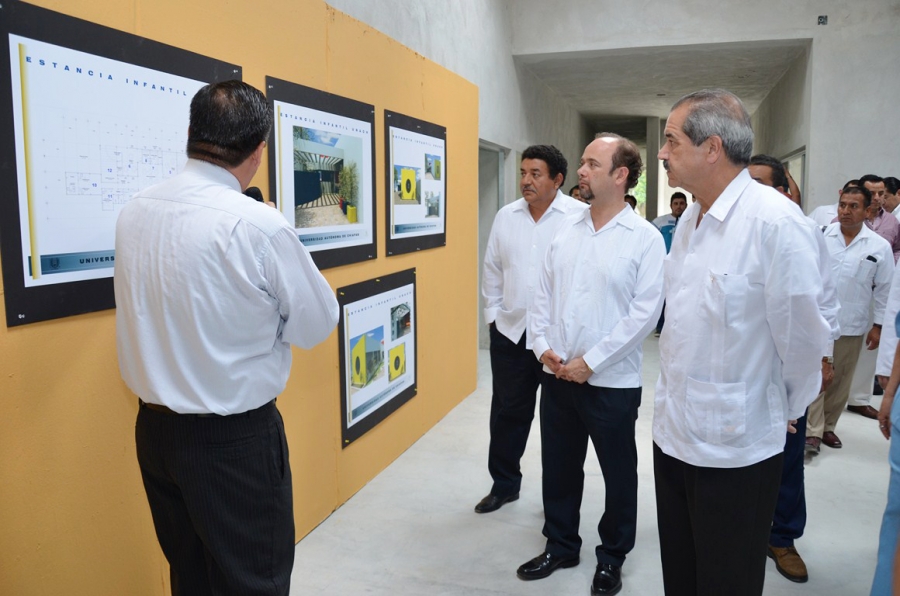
95 58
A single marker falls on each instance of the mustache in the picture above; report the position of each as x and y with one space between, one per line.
666 164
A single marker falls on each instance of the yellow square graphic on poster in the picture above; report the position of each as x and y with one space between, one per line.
408 184
397 357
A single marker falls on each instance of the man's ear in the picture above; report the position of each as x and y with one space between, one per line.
714 151
258 152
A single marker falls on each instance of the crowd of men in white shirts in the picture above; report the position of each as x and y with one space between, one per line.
771 315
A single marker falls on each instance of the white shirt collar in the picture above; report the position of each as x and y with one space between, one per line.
557 203
723 204
626 217
834 230
210 170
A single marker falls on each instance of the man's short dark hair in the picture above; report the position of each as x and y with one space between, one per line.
573 189
871 179
677 195
228 122
891 184
626 155
721 113
550 155
859 190
779 176
851 184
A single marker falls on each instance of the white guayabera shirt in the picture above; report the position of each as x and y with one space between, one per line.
512 262
741 351
862 271
600 295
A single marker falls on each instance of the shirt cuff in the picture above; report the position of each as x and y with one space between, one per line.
490 315
540 346
593 359
829 349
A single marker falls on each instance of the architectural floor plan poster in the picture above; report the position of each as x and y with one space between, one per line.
377 331
321 169
416 195
86 131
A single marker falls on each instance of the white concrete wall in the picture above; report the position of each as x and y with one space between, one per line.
853 114
781 123
473 39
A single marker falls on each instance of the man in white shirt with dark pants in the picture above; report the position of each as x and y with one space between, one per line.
740 355
515 252
211 288
600 295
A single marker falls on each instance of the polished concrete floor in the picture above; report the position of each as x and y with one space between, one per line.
412 530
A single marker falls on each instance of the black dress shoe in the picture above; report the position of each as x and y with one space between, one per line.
493 503
607 580
543 565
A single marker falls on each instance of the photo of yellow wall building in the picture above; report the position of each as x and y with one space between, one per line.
366 357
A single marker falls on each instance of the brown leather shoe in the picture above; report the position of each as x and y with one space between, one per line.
867 411
788 563
813 445
831 440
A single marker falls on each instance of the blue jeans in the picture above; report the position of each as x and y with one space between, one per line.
890 525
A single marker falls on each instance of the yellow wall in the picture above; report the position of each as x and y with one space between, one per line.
73 516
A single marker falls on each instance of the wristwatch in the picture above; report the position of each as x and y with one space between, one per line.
828 359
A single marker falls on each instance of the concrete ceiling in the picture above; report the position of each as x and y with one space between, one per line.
615 90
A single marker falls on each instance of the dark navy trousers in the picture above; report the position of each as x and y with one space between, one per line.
790 510
572 413
516 377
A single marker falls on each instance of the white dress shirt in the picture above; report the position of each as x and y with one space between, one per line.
863 271
829 306
824 214
888 344
600 295
741 350
211 288
512 262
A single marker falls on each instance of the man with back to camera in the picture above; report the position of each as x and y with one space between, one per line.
599 296
789 520
519 237
862 266
740 355
211 289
